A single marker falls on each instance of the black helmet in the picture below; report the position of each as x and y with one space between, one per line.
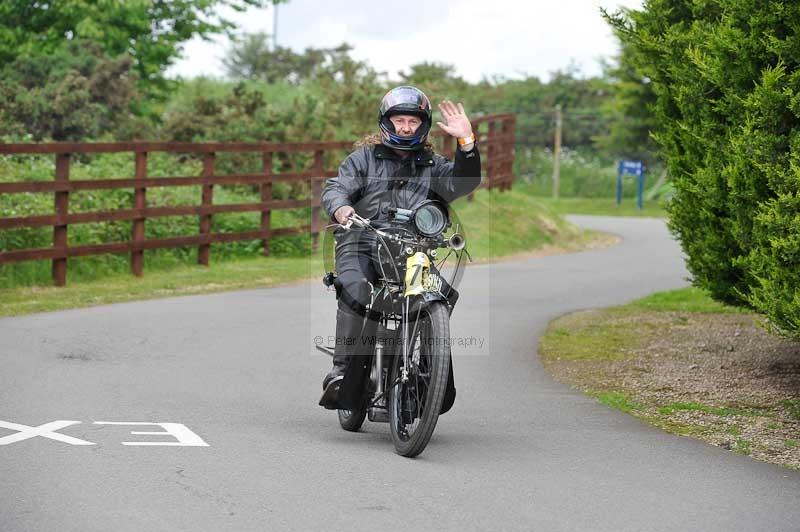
404 100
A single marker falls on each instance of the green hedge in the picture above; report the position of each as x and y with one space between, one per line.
726 77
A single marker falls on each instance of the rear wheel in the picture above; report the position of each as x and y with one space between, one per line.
351 420
414 405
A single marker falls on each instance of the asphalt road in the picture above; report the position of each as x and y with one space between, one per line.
237 375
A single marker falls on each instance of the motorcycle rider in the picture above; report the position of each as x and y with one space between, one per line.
398 170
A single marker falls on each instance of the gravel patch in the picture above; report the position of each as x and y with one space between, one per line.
721 378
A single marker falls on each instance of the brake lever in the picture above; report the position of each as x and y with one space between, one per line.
356 220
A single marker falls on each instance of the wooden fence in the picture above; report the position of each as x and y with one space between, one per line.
495 136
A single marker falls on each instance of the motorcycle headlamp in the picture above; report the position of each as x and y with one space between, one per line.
430 219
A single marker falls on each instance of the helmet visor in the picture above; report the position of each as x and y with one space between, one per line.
405 100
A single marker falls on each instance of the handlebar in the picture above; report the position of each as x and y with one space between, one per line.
355 220
455 242
358 221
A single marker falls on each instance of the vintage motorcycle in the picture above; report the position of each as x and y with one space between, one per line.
403 380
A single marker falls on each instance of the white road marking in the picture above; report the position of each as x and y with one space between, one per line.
45 431
185 437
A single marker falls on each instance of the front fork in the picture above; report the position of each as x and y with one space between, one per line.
405 342
381 384
418 281
408 338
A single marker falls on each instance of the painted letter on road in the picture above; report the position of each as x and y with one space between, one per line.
48 430
185 437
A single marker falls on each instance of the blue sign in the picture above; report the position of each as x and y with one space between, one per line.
635 169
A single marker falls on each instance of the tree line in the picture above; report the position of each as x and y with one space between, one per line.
89 70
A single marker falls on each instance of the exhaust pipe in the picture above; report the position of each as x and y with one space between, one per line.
456 241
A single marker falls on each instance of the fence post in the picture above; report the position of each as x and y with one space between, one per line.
476 131
60 229
508 152
500 153
139 203
316 192
512 143
203 251
557 155
266 199
491 166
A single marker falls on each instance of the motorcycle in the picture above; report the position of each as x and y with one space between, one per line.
403 380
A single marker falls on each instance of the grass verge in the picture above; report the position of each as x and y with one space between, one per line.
182 280
603 207
688 365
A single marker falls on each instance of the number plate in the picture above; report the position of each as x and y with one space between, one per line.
418 266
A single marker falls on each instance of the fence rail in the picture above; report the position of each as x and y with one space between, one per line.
495 134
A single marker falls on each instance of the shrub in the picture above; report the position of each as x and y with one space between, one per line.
725 75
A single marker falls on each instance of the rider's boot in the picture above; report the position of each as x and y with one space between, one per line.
338 370
348 330
332 382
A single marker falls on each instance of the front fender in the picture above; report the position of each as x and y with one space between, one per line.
424 299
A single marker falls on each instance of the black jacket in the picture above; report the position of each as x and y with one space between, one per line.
374 177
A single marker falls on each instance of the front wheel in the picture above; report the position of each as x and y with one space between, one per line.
414 404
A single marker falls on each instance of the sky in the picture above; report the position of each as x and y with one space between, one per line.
481 38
